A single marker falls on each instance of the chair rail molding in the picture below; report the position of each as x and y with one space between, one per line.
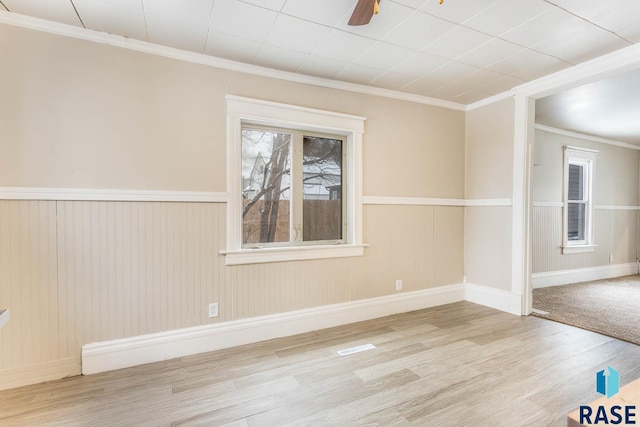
112 195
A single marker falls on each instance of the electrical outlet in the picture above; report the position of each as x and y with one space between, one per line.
213 309
398 285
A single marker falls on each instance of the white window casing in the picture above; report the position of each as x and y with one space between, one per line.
242 111
579 174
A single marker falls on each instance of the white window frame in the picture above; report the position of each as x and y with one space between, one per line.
241 111
586 158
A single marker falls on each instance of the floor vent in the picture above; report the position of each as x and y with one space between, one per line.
358 349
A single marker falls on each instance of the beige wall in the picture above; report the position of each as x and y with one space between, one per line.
616 180
75 114
489 175
80 114
489 151
616 184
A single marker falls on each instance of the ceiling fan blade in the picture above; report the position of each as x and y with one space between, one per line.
363 12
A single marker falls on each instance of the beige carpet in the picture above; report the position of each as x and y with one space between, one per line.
610 307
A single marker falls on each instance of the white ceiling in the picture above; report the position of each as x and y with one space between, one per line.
608 108
462 51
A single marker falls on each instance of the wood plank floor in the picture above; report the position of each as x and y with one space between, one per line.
454 365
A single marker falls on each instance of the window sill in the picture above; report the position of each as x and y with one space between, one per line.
578 249
297 253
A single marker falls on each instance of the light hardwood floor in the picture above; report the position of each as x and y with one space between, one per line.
454 365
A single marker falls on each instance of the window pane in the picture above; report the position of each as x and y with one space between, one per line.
322 189
576 182
266 166
576 221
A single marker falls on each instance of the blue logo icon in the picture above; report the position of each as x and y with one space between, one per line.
608 382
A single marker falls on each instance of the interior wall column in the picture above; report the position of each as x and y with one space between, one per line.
521 208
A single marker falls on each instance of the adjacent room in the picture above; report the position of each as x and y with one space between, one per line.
586 156
281 212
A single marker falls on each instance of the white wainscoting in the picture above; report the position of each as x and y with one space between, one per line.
577 275
127 352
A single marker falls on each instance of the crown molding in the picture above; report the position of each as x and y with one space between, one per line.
490 100
57 28
600 67
585 137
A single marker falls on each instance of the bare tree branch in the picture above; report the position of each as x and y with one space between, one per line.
322 161
270 187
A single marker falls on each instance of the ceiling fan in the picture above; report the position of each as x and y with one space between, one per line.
365 9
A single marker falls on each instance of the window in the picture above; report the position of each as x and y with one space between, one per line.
579 168
294 180
291 187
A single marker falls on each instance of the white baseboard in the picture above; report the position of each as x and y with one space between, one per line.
127 352
494 298
577 275
38 373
